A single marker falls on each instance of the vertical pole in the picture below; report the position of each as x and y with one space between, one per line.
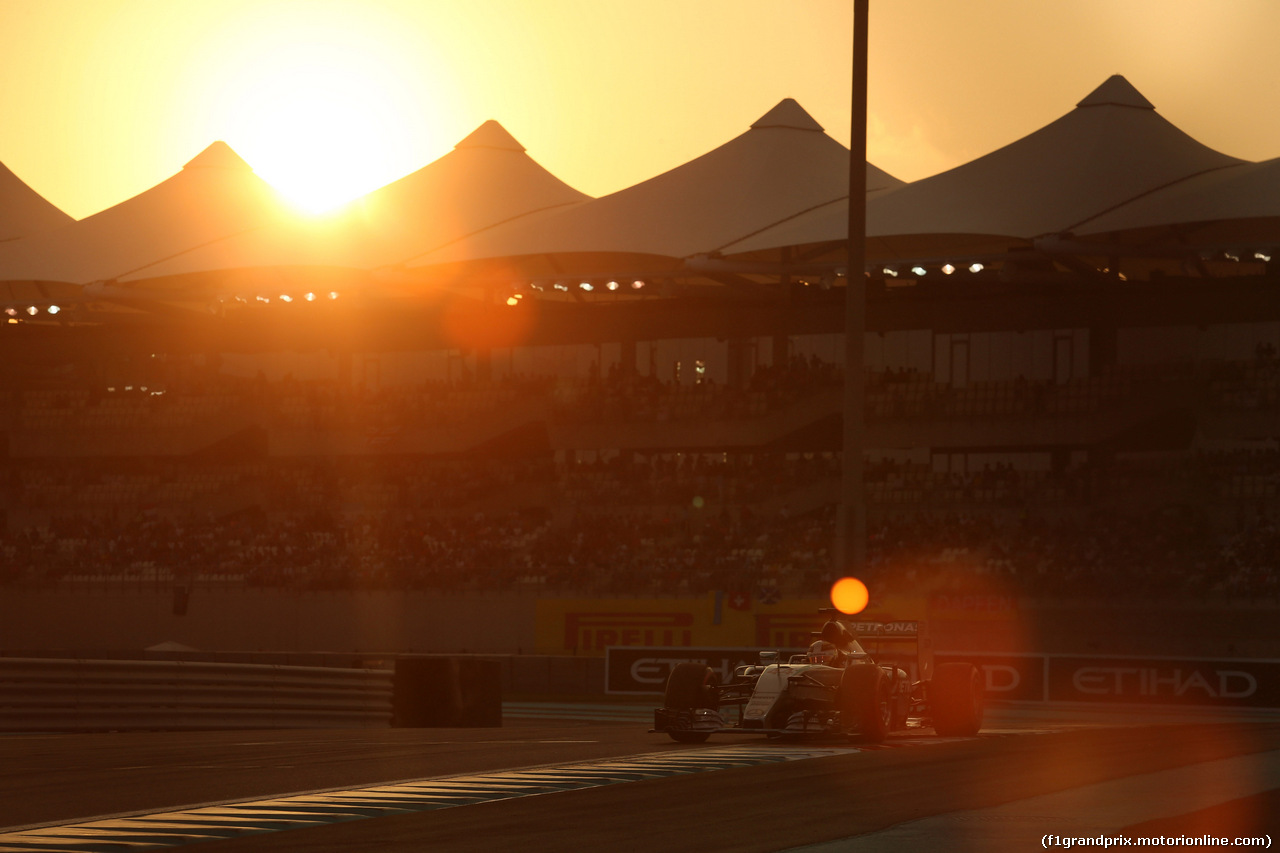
851 532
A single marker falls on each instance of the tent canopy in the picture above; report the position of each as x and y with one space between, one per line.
1112 148
1237 203
782 166
23 211
215 194
485 180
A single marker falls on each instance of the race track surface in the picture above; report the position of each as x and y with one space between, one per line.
1033 772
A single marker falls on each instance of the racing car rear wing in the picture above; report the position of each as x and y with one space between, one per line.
878 633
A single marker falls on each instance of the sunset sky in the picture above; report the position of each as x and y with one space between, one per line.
328 99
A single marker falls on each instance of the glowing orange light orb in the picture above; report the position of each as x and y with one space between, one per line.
849 595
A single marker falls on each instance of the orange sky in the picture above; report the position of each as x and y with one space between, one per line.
328 99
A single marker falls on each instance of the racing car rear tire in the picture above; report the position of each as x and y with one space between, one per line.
690 686
956 700
863 700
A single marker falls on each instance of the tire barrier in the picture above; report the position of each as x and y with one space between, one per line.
39 694
445 691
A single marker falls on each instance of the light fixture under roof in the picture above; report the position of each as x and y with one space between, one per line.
890 271
586 285
637 284
54 309
948 269
611 284
560 285
33 310
919 270
976 267
284 297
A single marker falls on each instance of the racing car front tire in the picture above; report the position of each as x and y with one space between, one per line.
956 700
864 703
691 686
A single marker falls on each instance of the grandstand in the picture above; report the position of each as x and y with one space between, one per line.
541 406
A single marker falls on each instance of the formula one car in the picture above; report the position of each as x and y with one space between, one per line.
837 688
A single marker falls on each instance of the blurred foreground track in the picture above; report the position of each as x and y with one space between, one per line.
70 778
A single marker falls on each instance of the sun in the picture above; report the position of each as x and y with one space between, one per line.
327 107
318 132
849 595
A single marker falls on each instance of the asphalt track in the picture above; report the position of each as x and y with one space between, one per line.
1033 772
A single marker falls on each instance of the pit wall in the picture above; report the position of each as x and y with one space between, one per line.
96 621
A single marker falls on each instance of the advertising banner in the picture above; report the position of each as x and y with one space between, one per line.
1015 677
1036 678
645 670
1165 681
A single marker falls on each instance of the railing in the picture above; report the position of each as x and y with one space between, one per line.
99 695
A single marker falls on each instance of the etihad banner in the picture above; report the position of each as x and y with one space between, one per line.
1164 681
1127 680
645 670
1011 677
589 626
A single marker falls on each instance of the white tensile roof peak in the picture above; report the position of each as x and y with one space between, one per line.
491 135
1116 91
788 114
219 155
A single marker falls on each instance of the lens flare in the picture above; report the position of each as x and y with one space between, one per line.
849 595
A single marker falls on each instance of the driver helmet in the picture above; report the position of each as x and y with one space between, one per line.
825 653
